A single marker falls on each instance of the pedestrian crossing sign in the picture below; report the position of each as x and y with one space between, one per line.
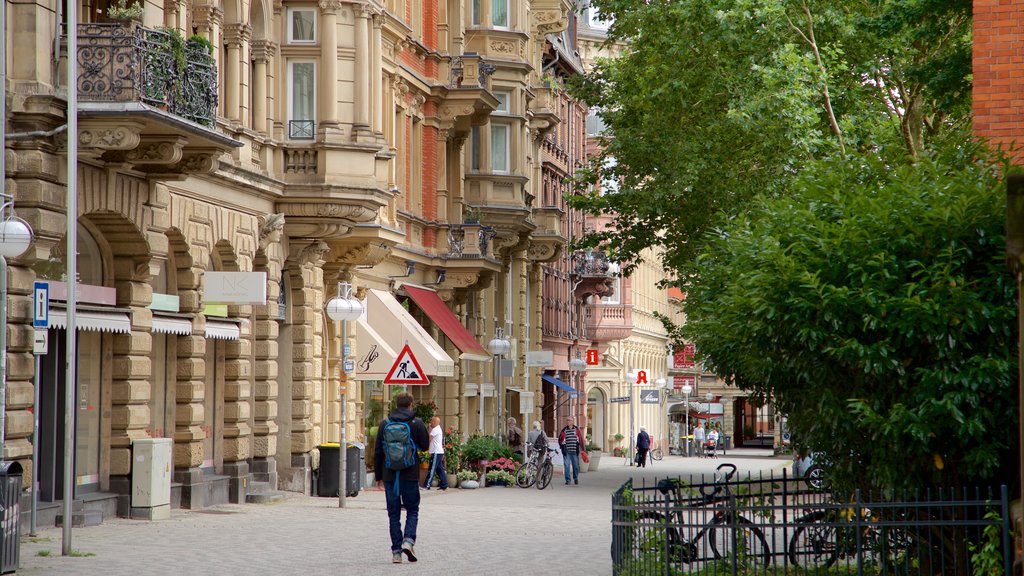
406 370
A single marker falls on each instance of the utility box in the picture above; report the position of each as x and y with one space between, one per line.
151 478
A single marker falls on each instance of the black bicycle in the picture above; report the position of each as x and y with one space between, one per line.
728 533
533 471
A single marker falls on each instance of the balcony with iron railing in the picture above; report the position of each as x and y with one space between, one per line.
592 273
154 87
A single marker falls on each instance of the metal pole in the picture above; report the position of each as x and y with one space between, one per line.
481 391
3 347
71 259
632 432
689 439
35 446
497 403
342 396
3 194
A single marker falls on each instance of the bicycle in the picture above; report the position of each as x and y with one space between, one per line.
657 454
826 536
656 531
531 473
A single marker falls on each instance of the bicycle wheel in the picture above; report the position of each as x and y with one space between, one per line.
657 454
654 536
544 478
526 475
750 545
813 543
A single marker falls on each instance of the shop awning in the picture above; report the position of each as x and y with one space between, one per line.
222 329
474 390
172 325
375 356
559 384
525 400
115 321
448 322
397 328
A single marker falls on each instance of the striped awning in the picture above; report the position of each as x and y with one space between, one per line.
95 320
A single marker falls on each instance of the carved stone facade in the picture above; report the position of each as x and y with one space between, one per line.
378 146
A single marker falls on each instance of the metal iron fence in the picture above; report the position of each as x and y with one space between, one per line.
778 525
125 62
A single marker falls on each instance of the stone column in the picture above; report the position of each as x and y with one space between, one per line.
361 119
131 368
376 76
262 52
191 385
234 36
328 108
307 375
265 330
441 136
237 441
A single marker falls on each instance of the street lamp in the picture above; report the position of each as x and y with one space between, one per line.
686 400
630 381
343 308
15 237
576 366
498 347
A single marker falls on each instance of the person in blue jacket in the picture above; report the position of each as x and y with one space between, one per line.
643 446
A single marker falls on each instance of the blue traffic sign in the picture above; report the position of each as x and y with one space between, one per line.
41 305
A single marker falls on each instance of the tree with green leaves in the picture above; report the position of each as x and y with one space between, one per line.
872 305
716 101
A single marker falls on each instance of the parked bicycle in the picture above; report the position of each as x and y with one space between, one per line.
824 537
728 533
537 469
656 453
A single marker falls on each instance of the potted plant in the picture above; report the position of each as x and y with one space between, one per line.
480 450
500 478
594 451
121 11
467 479
425 411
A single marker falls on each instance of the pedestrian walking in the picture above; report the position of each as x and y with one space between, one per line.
399 437
436 456
537 441
570 441
643 446
515 435
698 439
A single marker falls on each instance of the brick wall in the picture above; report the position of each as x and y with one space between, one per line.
998 61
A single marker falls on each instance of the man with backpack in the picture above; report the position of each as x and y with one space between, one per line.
400 436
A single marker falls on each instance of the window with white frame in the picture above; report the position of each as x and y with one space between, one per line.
301 25
499 13
301 99
504 101
499 147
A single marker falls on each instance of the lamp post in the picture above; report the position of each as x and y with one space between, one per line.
686 400
630 381
343 308
498 347
576 367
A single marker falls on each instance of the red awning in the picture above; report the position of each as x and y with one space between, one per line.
438 311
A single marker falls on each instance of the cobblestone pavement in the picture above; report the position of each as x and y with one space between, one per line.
562 530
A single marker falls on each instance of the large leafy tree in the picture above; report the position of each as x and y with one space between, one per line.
716 101
872 304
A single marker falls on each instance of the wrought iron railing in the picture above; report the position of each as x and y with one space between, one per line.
301 129
778 525
457 238
125 62
590 263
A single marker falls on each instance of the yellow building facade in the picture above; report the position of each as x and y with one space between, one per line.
394 146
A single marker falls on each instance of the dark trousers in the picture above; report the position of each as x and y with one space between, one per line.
437 469
408 497
641 457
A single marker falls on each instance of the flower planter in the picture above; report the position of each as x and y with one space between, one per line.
595 460
469 484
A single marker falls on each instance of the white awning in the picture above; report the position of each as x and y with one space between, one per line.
474 390
96 320
172 325
525 400
397 327
376 357
222 329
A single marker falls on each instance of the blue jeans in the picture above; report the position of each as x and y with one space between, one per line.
408 497
571 461
437 469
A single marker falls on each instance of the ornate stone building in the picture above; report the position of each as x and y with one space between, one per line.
395 145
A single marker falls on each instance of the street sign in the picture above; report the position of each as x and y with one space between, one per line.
41 305
406 370
618 399
650 396
350 366
40 342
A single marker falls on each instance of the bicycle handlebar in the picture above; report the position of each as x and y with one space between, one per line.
729 474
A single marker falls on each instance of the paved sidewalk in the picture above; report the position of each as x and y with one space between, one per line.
493 531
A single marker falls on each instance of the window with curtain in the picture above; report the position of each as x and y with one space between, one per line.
499 147
499 13
301 26
302 99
